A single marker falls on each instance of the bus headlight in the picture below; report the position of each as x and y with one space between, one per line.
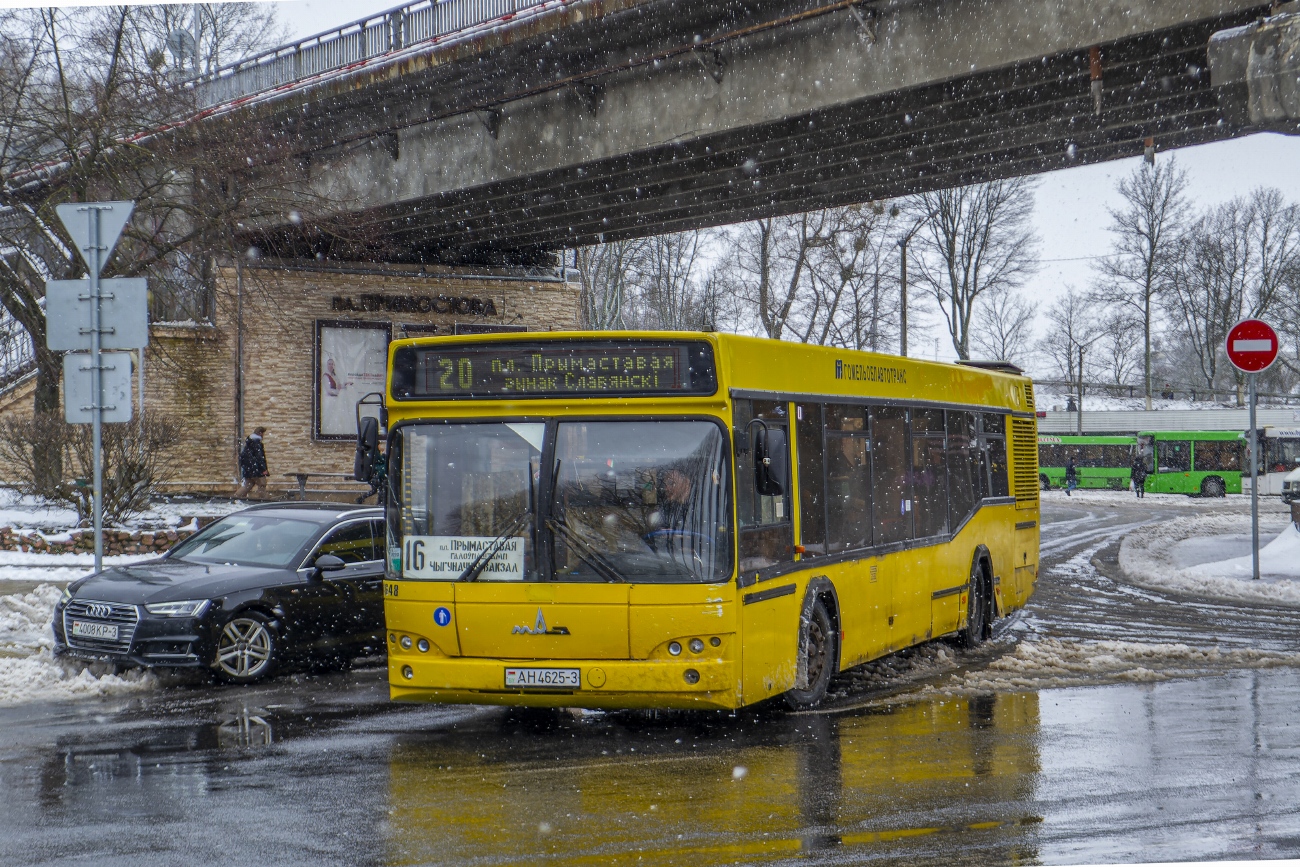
675 648
407 672
696 646
406 642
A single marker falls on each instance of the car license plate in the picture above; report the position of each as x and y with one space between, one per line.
544 678
94 630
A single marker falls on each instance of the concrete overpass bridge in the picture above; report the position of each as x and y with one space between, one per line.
532 126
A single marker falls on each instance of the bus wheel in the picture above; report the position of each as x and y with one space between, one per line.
977 607
1212 487
1047 485
818 647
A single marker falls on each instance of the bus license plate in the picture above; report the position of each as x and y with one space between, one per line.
94 630
544 678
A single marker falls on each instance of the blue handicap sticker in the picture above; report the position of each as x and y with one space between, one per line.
442 617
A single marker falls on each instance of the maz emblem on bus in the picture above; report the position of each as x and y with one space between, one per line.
539 628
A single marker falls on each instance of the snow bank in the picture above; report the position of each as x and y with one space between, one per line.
1054 662
1150 557
29 671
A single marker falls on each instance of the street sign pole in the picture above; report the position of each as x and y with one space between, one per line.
94 239
97 384
1252 347
1254 483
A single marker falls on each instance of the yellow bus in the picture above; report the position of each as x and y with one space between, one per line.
680 520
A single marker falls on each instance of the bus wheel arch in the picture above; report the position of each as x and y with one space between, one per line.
819 615
1044 482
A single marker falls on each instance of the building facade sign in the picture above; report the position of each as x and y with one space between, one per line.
373 303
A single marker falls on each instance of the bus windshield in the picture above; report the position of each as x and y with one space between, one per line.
621 501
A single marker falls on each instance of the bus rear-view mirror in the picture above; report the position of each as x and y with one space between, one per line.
363 465
770 461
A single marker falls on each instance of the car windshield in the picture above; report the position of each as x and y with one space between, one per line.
636 501
248 540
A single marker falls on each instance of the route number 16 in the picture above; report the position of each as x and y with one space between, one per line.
415 555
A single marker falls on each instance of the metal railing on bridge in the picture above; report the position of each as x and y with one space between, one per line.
380 34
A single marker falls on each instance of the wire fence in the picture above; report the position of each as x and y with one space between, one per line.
388 31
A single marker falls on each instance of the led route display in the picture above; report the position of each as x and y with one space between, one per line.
552 369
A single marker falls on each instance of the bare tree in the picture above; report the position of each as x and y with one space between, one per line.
669 297
974 240
1068 344
771 271
1119 349
1004 325
607 280
226 32
1145 229
76 91
1235 261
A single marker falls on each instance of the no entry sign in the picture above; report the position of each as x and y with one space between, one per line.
1252 345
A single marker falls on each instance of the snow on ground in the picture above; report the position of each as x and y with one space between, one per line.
24 513
1096 496
29 671
1170 556
1053 662
1057 401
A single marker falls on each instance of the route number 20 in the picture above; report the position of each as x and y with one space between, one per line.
463 371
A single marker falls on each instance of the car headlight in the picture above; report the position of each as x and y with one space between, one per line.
67 594
188 608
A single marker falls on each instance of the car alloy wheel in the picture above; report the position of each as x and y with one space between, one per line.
246 648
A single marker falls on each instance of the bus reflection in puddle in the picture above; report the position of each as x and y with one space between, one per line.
950 776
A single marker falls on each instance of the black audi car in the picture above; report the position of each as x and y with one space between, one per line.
258 589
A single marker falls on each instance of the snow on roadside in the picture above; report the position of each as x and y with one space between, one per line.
28 670
1054 662
1149 557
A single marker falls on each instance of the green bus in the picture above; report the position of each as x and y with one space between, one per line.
1204 463
1099 461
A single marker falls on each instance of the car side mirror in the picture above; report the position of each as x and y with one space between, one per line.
770 461
363 465
327 563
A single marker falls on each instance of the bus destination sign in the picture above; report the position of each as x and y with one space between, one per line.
553 369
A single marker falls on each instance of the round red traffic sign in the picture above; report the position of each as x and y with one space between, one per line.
1252 345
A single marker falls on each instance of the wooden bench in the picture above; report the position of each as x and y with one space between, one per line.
302 478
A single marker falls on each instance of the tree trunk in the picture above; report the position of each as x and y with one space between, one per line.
47 456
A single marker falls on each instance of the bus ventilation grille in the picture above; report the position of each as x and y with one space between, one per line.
1024 459
1029 396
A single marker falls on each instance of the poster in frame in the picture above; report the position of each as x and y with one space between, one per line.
351 362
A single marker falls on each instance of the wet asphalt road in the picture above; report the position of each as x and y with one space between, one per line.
322 769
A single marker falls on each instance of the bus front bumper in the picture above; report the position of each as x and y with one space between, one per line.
698 683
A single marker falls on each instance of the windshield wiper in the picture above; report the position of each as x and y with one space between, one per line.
585 551
473 570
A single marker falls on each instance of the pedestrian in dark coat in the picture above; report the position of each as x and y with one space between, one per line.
1071 477
252 464
1139 476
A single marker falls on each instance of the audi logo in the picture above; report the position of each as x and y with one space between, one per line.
99 610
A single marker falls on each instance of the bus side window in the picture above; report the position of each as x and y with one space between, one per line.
891 482
1221 455
848 478
812 489
929 473
766 531
993 446
963 466
1175 456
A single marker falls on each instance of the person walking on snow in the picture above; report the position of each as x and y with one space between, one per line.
252 464
1071 477
1139 472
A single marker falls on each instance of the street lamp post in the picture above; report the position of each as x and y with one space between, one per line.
902 276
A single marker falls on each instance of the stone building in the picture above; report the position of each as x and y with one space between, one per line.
289 347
